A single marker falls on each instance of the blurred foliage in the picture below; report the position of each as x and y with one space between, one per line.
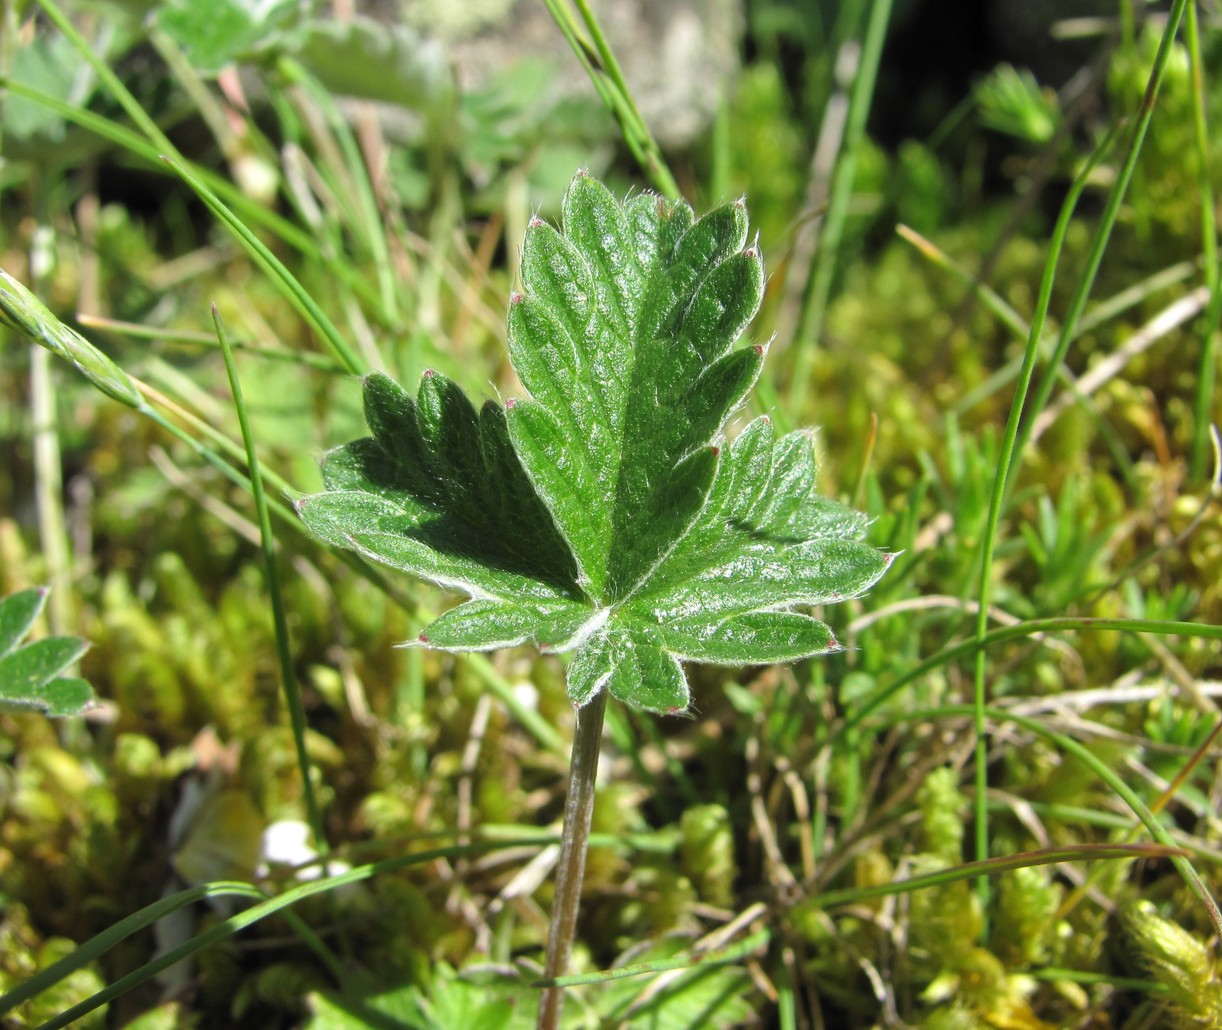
30 674
1012 101
763 800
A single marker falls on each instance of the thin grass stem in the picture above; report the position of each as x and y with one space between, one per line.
1030 628
296 293
288 678
814 310
1107 221
1018 431
996 866
216 933
1207 375
1114 781
599 61
996 501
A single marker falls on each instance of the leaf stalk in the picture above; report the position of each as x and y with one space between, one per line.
578 811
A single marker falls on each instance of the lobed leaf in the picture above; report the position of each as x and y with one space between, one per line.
604 513
30 677
634 666
17 614
438 492
622 335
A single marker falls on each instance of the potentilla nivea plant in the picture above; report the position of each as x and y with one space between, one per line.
605 514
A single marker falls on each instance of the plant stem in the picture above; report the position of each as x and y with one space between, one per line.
827 260
578 809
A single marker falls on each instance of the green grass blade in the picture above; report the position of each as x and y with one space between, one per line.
996 866
264 257
366 218
1107 221
192 339
997 500
288 283
599 61
292 689
112 82
1016 433
120 931
814 309
249 209
98 945
1116 783
751 945
1018 631
1207 376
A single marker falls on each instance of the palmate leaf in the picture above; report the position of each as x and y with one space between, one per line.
30 674
605 513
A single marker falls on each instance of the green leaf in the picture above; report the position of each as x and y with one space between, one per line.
764 542
67 695
30 677
438 492
622 337
370 59
633 666
605 513
17 614
49 64
215 33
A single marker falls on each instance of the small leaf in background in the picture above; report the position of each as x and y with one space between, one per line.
30 677
48 64
214 33
606 513
375 61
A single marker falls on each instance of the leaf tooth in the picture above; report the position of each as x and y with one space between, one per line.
753 250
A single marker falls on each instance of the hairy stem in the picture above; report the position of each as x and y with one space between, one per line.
578 809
